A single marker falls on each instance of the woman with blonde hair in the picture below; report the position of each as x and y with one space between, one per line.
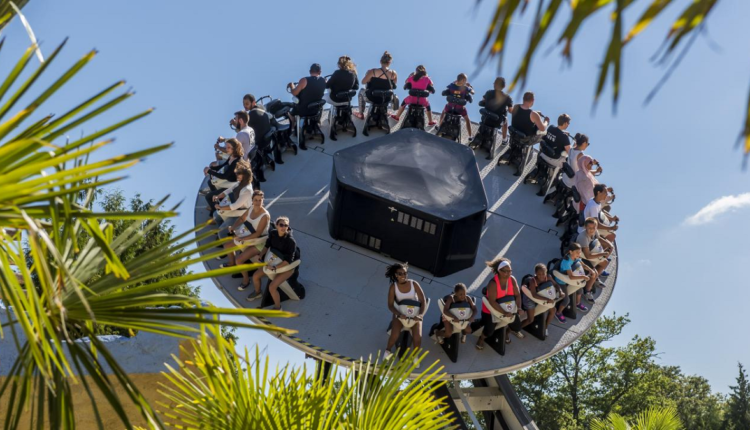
343 79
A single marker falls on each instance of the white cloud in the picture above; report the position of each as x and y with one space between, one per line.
717 207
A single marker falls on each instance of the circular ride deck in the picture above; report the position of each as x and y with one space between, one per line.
344 315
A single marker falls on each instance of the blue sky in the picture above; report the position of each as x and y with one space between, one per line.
667 161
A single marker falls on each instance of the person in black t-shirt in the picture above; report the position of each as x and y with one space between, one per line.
343 79
556 143
499 103
284 247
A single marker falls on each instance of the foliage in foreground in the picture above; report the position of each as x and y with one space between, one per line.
680 36
218 389
651 419
67 288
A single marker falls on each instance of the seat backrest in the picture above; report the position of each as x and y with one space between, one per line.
514 131
382 93
456 100
488 115
568 170
316 105
346 94
419 93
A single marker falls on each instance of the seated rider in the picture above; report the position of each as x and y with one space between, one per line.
343 79
595 247
403 288
542 279
224 169
308 90
459 296
499 103
253 224
378 79
284 248
260 122
245 135
417 81
556 143
594 209
528 121
572 267
460 89
501 286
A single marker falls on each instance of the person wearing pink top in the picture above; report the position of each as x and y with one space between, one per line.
417 81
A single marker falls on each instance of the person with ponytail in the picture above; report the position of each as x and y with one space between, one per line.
500 286
417 81
382 78
403 288
238 196
343 79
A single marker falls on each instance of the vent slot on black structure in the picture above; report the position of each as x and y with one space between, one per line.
362 239
416 223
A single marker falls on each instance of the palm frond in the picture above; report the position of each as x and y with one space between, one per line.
216 389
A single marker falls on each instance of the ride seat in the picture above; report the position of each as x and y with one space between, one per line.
489 116
419 93
541 307
285 287
409 307
462 313
498 319
384 95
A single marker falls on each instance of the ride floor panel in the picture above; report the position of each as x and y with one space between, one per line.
344 315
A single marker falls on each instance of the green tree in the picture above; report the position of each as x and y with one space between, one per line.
590 379
687 26
651 419
697 406
738 403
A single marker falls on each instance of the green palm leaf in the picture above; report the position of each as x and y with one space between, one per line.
216 388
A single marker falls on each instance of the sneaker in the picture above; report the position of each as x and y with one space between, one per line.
582 307
205 191
560 317
440 340
387 355
244 287
416 363
463 338
590 298
254 295
604 273
546 332
518 334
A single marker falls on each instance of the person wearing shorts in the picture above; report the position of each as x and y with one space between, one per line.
460 89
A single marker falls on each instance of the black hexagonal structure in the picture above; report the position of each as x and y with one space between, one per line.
412 196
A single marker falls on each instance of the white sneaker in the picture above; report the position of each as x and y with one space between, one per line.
416 363
387 355
546 332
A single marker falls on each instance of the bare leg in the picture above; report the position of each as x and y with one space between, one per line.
395 331
257 277
416 333
529 317
442 115
399 112
245 255
505 130
429 116
468 124
273 288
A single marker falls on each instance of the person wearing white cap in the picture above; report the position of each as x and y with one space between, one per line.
502 287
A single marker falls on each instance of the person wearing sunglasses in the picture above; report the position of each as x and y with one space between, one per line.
501 287
403 289
283 246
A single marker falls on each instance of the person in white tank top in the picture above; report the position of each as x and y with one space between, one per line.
260 220
401 289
